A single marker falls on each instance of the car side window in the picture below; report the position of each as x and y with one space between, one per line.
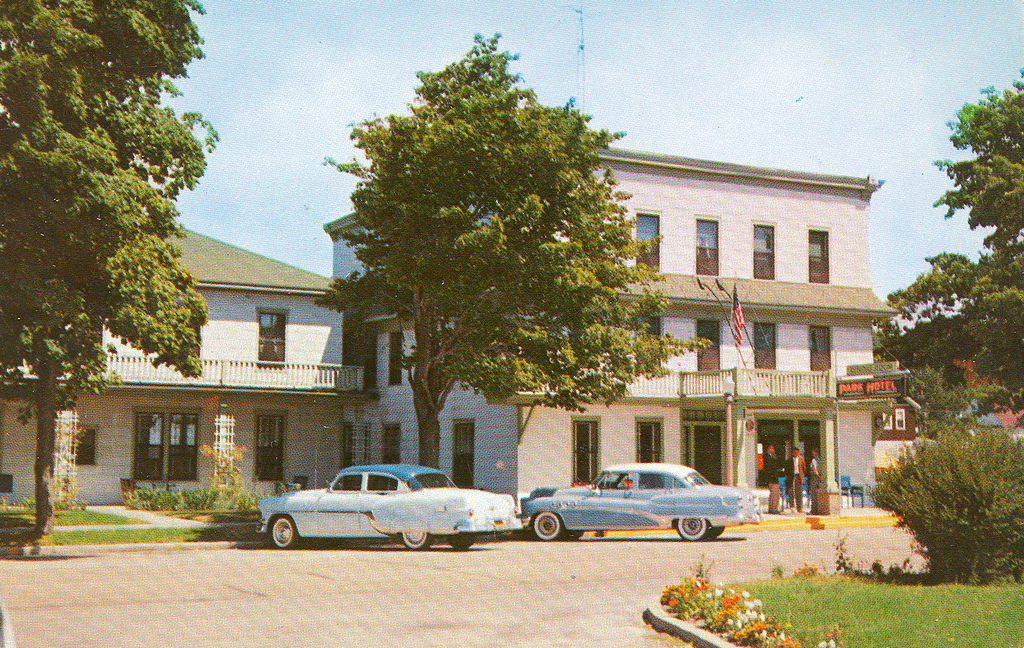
651 481
348 483
381 483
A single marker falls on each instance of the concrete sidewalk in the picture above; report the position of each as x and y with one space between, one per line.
147 519
848 518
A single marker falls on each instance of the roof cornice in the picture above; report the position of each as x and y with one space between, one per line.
866 186
258 288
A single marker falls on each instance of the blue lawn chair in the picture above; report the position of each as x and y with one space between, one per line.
847 488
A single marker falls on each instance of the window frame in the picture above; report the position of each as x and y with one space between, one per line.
85 447
591 428
710 359
657 441
765 357
396 353
652 258
170 461
707 257
391 443
267 348
821 360
817 265
463 452
764 260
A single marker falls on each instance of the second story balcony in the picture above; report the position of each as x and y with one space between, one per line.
748 383
138 370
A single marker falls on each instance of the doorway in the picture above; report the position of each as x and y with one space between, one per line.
707 452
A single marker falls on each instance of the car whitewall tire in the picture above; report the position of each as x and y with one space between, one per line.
416 539
691 529
547 526
283 534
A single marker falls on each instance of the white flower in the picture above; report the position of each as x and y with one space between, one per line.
745 594
719 592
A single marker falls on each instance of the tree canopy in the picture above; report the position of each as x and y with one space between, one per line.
90 163
483 222
966 318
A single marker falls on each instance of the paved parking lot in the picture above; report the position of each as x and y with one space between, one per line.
586 593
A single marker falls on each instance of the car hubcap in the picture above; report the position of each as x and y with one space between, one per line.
415 538
547 525
282 533
691 527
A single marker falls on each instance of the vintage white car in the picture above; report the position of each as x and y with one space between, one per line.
641 496
412 503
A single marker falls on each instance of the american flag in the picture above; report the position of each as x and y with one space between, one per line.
738 322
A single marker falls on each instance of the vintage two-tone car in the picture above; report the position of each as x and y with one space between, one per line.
640 496
411 503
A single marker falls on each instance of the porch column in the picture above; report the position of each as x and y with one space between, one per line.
830 476
746 448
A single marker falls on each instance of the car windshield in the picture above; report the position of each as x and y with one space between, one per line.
613 480
430 480
695 479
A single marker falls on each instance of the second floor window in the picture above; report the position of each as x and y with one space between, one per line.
271 337
764 252
395 358
821 348
707 247
708 359
817 261
764 345
648 228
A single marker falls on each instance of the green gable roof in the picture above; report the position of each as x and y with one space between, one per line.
215 262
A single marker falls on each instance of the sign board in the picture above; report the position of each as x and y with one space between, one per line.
872 369
871 387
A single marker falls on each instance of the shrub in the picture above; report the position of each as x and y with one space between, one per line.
193 499
962 497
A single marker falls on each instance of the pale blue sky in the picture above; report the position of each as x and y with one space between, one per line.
850 88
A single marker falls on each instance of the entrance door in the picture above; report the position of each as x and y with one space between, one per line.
779 435
707 452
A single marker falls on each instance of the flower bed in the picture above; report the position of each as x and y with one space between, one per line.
735 616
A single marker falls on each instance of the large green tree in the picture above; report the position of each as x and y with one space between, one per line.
966 318
90 163
483 222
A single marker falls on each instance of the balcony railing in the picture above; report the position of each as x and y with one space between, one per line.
238 373
744 382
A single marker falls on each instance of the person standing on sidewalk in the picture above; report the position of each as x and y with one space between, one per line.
795 483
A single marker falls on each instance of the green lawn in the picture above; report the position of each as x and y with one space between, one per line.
873 615
13 518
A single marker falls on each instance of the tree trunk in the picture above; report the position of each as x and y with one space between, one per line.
430 441
45 441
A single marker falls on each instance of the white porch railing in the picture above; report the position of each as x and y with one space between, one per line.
666 386
238 373
748 382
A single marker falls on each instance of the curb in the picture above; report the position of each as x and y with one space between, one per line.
668 624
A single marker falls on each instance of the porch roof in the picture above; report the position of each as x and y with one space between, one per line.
784 295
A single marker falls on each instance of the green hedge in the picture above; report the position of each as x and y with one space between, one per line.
962 497
194 499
